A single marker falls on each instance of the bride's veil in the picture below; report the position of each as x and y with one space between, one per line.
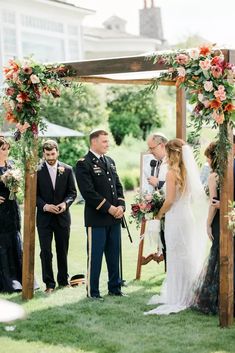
199 205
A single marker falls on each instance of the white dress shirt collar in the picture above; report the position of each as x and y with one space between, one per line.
96 154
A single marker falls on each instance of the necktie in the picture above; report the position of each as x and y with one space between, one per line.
102 159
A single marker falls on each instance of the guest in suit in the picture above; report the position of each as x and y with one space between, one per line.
56 192
156 145
102 191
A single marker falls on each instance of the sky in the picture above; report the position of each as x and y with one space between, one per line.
210 19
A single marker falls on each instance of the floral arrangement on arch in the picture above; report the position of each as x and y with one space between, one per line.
25 82
209 83
146 206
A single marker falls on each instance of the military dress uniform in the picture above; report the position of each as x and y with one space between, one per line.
100 187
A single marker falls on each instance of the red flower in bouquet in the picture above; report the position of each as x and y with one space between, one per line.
146 206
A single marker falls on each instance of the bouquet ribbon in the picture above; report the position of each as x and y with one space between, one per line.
152 231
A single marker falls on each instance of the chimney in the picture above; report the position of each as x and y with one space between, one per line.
151 21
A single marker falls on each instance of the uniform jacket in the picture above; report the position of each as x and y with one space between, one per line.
65 191
100 187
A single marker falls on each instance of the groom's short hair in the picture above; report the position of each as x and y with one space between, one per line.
158 137
49 145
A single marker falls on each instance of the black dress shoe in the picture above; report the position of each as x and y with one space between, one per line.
118 294
96 297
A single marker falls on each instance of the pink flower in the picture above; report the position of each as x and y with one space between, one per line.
205 64
22 128
27 70
181 71
10 91
219 118
34 79
194 54
220 94
206 103
182 59
208 86
216 71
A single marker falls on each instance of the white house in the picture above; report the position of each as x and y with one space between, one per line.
51 30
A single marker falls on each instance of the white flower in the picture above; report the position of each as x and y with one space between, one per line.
61 170
34 79
194 54
181 71
208 86
200 97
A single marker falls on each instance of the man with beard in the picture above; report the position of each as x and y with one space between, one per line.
56 192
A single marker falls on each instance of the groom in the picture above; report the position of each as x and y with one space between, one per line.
156 144
56 192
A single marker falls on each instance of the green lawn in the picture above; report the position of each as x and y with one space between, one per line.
67 322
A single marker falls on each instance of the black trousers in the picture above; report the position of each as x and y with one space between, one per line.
61 235
103 240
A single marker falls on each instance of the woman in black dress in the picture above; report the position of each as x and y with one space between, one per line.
10 241
207 293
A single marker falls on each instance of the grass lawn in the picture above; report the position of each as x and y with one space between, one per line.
67 322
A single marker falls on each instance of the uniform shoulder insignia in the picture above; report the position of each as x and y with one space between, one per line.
81 160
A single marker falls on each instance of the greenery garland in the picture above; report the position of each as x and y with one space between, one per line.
25 82
209 83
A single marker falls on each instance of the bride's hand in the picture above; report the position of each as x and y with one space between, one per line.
209 233
158 217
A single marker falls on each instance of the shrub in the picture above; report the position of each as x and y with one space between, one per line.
128 182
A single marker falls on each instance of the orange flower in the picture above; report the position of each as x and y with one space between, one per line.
22 97
204 50
215 104
229 107
179 80
10 117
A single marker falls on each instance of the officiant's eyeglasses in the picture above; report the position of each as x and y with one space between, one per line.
153 148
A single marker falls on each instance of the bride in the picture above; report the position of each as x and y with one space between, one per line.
185 210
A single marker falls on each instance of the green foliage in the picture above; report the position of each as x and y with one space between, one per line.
128 182
80 107
67 322
71 149
132 111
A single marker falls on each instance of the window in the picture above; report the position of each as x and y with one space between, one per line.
9 40
42 24
8 17
45 48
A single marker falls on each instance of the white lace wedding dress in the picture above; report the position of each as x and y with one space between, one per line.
185 236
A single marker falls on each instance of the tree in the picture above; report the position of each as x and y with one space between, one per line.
80 107
132 111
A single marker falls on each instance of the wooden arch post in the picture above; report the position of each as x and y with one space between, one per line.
29 228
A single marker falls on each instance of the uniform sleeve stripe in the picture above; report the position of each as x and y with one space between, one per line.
100 205
120 198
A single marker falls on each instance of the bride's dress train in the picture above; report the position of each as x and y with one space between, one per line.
185 235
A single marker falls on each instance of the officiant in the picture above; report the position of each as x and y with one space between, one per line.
156 144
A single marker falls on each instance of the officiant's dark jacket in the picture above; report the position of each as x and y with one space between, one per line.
65 191
100 187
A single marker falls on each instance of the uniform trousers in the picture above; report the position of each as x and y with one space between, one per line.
103 240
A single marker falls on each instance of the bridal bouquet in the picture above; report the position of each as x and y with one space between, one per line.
146 206
11 178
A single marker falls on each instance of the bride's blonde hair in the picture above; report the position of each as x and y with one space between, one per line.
175 161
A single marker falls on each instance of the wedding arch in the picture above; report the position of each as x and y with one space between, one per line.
26 80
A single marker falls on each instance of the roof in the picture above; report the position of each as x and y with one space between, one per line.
71 4
103 33
52 130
